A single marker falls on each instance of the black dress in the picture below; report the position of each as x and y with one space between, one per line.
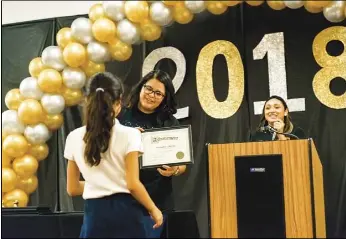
267 136
159 187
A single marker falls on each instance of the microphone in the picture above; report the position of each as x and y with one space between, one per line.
270 129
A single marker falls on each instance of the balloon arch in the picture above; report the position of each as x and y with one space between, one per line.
57 77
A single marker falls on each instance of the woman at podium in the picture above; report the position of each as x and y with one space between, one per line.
275 123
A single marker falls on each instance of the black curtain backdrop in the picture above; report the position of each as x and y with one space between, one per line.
244 26
21 43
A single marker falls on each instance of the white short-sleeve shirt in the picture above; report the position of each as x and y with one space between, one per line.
108 177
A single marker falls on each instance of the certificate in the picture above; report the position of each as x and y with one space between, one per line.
167 146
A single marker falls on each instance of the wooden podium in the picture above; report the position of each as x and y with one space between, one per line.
302 193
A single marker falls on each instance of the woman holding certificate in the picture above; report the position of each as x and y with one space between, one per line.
106 153
151 104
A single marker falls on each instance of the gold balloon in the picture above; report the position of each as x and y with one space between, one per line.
3 136
74 54
119 50
104 29
150 31
90 68
64 37
72 96
13 99
50 81
254 3
8 180
28 185
36 66
136 11
312 9
16 196
317 4
39 151
276 4
216 7
30 112
96 12
53 122
25 166
6 160
231 3
181 14
15 145
172 3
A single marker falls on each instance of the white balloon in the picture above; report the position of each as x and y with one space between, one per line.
73 78
195 6
98 52
52 57
160 14
114 10
335 12
128 32
29 89
53 104
294 4
37 134
81 30
10 123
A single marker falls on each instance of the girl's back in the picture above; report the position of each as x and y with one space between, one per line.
109 176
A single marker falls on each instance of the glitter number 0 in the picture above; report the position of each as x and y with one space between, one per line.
204 79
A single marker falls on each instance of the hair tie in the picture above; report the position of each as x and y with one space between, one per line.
100 89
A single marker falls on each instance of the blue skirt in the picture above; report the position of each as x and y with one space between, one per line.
115 216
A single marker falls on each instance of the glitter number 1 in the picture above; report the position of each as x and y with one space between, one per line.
273 46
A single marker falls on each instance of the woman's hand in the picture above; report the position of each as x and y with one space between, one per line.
169 171
279 126
140 129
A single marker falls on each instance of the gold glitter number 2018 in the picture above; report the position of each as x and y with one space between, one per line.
332 67
271 45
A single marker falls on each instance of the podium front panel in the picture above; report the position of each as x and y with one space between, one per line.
260 196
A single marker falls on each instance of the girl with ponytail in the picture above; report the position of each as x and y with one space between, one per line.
106 154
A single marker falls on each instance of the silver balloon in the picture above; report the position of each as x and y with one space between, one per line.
53 104
160 14
98 52
114 10
335 12
128 32
73 78
195 6
81 30
37 134
30 89
52 57
10 123
294 4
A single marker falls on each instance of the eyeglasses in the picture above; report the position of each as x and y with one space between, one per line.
157 94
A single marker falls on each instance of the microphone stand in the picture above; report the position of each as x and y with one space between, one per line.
272 130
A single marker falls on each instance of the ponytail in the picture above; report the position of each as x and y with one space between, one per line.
99 116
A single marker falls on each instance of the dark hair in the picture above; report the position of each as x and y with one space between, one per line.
168 105
287 119
103 91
